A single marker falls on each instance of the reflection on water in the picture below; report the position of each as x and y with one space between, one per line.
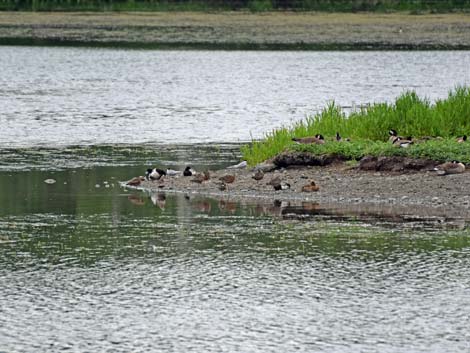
100 268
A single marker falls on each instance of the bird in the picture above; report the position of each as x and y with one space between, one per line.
317 139
136 181
258 175
310 187
228 178
454 167
154 174
199 178
401 142
240 165
189 171
462 139
172 172
339 138
281 186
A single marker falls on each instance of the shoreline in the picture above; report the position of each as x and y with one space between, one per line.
238 30
422 194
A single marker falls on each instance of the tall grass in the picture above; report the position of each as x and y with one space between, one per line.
410 115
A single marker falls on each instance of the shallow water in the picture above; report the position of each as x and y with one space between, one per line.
78 96
88 266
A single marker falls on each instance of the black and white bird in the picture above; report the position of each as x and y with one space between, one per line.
154 174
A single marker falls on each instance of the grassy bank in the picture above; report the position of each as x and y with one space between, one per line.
368 130
413 6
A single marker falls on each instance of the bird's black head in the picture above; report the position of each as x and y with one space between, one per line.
188 168
392 132
148 171
319 136
338 136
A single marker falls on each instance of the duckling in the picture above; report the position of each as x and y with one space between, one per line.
310 187
462 139
454 167
154 174
317 139
136 181
258 175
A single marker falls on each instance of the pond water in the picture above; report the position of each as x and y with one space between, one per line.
51 96
88 266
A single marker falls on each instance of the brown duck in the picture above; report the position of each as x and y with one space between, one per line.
227 179
201 177
310 187
136 181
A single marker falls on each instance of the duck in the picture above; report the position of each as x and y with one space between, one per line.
189 171
281 186
454 167
462 139
201 177
258 175
154 174
310 187
136 181
317 139
393 135
228 178
172 172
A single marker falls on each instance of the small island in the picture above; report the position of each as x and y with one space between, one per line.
357 165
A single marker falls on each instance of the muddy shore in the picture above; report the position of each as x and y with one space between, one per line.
238 30
341 188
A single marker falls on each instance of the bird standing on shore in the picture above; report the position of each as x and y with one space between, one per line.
201 177
136 181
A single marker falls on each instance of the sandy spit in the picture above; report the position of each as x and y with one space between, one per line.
341 187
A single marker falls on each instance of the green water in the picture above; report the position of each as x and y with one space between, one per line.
89 266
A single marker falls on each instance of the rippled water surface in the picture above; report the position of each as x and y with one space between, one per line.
51 96
87 266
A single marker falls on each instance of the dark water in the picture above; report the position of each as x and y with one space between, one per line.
88 266
78 96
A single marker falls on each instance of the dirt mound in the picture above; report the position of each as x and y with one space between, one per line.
396 164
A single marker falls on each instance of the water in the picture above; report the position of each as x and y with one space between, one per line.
77 96
88 266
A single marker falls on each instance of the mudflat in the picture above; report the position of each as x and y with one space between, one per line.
340 187
245 30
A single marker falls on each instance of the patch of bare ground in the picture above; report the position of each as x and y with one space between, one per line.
307 30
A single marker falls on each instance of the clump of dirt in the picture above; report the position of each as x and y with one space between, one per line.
287 159
396 164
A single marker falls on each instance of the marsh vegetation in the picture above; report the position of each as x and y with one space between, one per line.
439 123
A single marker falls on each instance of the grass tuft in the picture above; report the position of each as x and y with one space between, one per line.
368 129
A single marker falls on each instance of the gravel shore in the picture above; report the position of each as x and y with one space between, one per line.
341 187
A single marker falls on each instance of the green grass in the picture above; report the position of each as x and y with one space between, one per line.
368 129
